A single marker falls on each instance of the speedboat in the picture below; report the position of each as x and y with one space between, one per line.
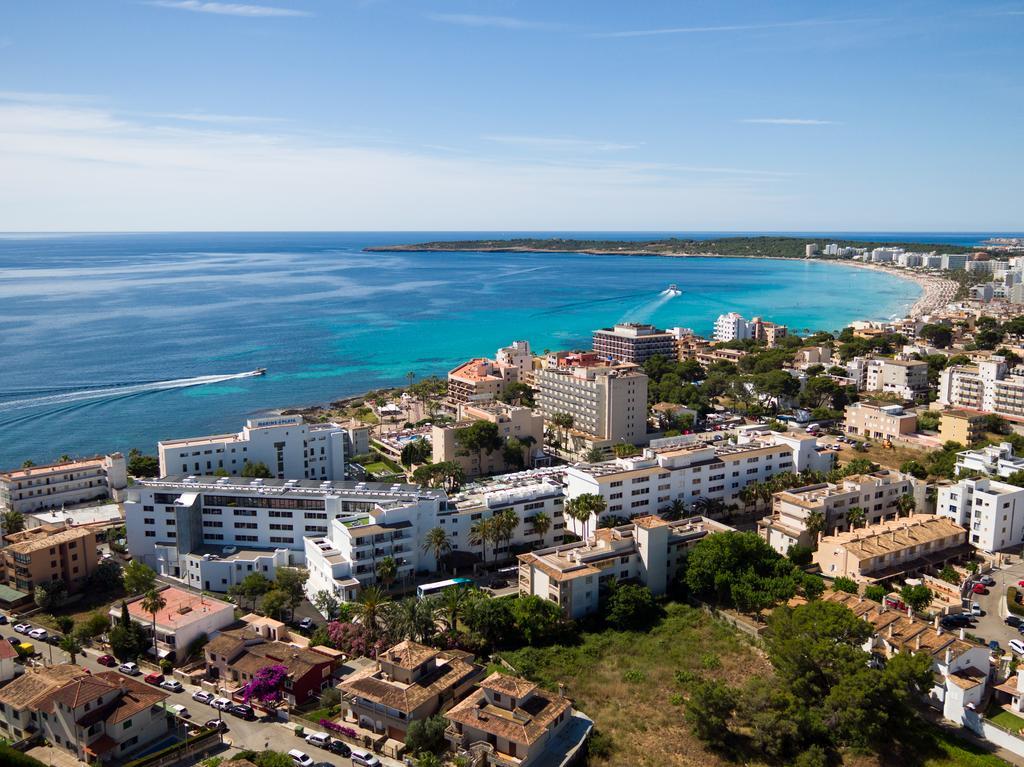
673 290
257 372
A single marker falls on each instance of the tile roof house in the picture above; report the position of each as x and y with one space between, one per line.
509 720
184 618
409 682
94 717
235 656
7 656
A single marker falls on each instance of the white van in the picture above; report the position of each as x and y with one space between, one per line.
321 739
364 758
300 759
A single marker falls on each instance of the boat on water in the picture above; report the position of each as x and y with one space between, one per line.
673 290
256 372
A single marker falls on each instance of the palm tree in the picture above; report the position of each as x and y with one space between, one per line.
450 605
153 602
13 522
709 507
541 524
583 507
906 504
482 533
815 523
749 494
436 542
505 523
370 608
855 516
675 510
594 455
70 645
564 422
410 618
387 571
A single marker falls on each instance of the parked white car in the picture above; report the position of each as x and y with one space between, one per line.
37 633
202 696
321 739
1017 647
180 710
976 608
221 704
131 669
173 685
300 758
22 628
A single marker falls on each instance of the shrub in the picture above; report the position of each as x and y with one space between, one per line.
300 730
634 676
845 584
875 593
676 699
166 666
600 745
710 661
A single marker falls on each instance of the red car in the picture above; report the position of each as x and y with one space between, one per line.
1020 584
154 678
979 588
106 660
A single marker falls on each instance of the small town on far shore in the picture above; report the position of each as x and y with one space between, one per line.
773 545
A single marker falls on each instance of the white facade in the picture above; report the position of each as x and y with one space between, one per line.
954 261
36 488
290 448
992 512
649 483
989 387
907 378
185 617
731 327
174 522
994 460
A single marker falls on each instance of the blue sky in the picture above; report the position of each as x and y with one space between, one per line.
498 114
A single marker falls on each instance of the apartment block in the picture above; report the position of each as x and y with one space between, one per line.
907 378
526 494
954 261
900 548
992 512
213 531
49 553
963 426
522 423
484 379
649 550
290 448
649 483
55 485
184 618
879 421
608 404
988 386
634 342
96 718
409 682
733 327
994 460
876 494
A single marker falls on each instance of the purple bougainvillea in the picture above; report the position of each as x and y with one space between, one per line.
265 685
341 729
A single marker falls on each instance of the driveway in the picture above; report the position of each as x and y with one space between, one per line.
990 626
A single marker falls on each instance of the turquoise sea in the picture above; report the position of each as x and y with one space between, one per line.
103 336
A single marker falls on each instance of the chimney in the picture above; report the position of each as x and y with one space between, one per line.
963 633
917 642
910 612
949 657
890 630
563 691
935 623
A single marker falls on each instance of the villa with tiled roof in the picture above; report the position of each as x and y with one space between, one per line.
409 682
95 717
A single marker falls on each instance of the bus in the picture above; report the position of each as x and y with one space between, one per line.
432 589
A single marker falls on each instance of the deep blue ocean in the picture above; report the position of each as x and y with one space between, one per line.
104 336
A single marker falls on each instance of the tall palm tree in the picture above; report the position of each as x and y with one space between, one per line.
153 602
675 510
370 608
906 504
436 542
482 533
815 523
387 571
564 422
12 522
505 523
583 507
709 507
70 645
749 494
410 618
541 524
855 516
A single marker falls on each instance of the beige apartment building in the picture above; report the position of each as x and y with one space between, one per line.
49 553
608 405
36 488
879 421
907 378
876 494
963 426
483 379
989 386
512 421
634 342
899 548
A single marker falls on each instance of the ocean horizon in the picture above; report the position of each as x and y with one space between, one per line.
114 341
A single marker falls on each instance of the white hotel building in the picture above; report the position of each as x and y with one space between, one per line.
290 448
211 532
650 482
992 512
989 386
36 488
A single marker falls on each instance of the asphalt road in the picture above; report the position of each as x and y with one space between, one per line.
991 626
241 735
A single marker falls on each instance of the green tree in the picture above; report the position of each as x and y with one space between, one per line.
274 603
138 578
416 451
876 593
778 722
631 607
564 422
93 626
815 523
916 597
256 470
251 587
848 585
370 608
140 465
492 620
426 735
584 507
436 542
950 575
709 710
387 571
914 469
292 581
540 524
50 594
12 522
479 437
594 455
855 516
153 602
537 620
517 393
411 618
71 646
65 623
106 577
483 533
938 335
326 604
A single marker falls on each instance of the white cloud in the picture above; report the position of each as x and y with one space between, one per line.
474 20
86 169
548 143
228 9
727 28
787 121
206 117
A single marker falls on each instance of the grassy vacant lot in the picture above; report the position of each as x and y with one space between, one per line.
1005 719
634 685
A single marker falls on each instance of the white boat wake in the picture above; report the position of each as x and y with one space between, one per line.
116 391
